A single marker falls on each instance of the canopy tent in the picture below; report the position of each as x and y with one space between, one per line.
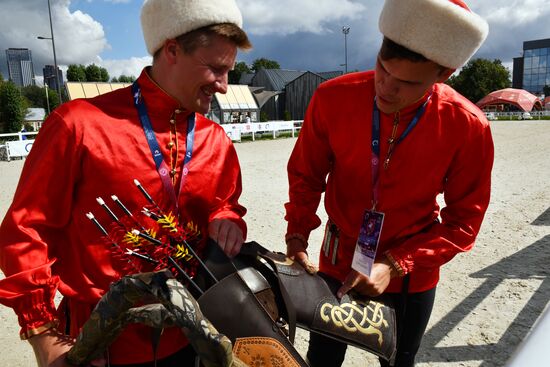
91 89
517 97
234 106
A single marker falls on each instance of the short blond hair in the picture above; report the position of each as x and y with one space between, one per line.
202 37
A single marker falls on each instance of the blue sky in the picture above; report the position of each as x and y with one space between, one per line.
303 34
120 22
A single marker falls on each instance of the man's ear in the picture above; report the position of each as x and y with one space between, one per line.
170 50
445 74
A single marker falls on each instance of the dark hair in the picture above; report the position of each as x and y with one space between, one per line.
391 50
201 37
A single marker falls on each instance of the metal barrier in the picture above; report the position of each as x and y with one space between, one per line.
518 115
20 147
236 131
10 148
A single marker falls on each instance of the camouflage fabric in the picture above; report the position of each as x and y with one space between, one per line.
168 304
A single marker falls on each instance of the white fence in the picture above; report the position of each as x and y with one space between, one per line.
236 131
22 146
16 148
519 115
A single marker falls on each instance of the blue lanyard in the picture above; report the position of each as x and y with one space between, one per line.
162 167
375 144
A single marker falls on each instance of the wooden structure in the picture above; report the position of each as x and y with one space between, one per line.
285 94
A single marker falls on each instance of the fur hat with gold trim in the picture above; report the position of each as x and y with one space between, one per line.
444 31
166 19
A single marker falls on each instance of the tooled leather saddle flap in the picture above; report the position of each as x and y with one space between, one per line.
367 323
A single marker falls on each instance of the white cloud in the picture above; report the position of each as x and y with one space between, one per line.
128 67
511 22
290 16
512 13
78 37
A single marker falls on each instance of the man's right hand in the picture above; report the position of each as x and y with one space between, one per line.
51 347
296 251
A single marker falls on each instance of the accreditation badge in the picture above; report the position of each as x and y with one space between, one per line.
367 242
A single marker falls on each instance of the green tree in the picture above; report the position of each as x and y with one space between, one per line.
480 77
104 75
53 100
1 78
114 80
126 79
12 107
93 73
263 63
76 73
239 69
35 95
546 90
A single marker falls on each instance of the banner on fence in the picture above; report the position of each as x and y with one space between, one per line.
19 148
234 131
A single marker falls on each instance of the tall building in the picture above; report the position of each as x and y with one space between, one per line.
532 70
20 68
50 79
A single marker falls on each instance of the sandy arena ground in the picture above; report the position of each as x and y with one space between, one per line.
488 299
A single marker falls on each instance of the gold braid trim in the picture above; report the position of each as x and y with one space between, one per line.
39 330
395 264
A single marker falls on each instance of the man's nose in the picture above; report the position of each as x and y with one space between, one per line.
221 84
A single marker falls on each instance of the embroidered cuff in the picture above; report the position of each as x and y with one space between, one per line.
395 264
29 333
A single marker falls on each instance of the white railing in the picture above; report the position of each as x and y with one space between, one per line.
10 148
15 148
517 114
236 131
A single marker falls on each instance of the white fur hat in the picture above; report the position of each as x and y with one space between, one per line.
165 19
443 31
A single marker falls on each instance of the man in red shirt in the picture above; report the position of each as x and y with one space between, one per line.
382 145
154 132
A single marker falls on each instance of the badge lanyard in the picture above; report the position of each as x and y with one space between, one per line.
160 164
375 144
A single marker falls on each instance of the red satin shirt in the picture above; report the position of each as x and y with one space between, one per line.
97 147
450 151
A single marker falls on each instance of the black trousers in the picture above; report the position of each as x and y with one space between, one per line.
183 358
326 352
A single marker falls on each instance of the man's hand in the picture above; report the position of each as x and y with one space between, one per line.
227 234
381 273
296 251
51 347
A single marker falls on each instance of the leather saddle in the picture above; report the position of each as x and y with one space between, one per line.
259 283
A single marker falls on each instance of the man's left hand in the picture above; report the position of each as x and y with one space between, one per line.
381 273
227 234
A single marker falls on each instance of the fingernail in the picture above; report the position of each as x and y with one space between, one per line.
339 295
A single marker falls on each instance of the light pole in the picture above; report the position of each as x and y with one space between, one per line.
57 81
345 30
47 97
46 91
